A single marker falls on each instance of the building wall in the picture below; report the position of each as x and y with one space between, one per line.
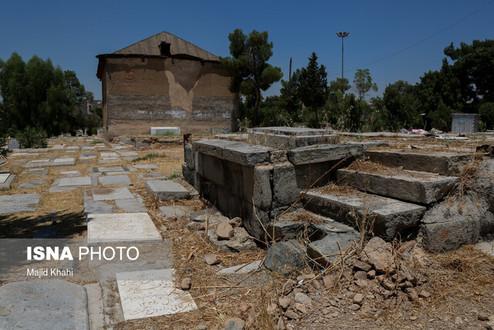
143 92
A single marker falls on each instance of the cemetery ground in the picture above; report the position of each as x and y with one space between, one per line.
88 190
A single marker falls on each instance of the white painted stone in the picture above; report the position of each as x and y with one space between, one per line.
121 227
152 293
241 269
109 194
165 130
4 177
486 247
75 181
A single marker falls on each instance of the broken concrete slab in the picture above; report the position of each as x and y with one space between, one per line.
285 257
236 152
389 216
134 205
108 194
444 163
447 226
323 153
109 169
241 269
43 304
114 180
121 227
18 203
326 250
167 190
176 211
410 186
6 180
152 293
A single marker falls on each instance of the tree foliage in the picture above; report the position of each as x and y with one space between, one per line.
41 99
363 82
313 87
249 67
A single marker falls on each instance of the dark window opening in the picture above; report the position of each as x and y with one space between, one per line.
165 48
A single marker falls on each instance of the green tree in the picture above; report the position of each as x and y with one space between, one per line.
402 105
289 96
363 82
486 112
473 65
249 67
313 87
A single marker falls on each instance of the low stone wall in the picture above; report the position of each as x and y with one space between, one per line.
256 182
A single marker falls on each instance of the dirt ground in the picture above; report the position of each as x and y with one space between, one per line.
460 283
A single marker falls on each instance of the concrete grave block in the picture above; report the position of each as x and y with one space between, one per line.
121 227
114 180
75 181
390 216
43 304
167 190
176 211
173 131
67 161
285 189
323 153
151 293
134 205
18 203
410 186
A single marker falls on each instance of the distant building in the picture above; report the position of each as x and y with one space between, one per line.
465 123
164 80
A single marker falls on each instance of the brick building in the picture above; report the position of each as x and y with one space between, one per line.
164 80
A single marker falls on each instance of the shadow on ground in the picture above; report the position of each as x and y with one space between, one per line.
53 225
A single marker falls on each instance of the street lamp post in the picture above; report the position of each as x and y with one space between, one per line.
342 35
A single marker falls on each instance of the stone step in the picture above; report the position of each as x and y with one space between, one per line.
411 186
444 163
389 217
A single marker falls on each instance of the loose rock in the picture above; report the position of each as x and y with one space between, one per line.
303 298
186 283
211 259
234 323
379 254
358 298
224 231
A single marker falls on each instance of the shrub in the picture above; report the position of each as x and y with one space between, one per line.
32 137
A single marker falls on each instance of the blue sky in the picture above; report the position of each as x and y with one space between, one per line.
394 39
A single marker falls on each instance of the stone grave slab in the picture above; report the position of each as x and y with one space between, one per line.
99 207
164 130
109 194
41 171
114 180
241 269
43 304
32 183
167 190
152 293
67 161
18 203
38 163
75 181
87 157
121 227
133 205
146 166
109 169
70 173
